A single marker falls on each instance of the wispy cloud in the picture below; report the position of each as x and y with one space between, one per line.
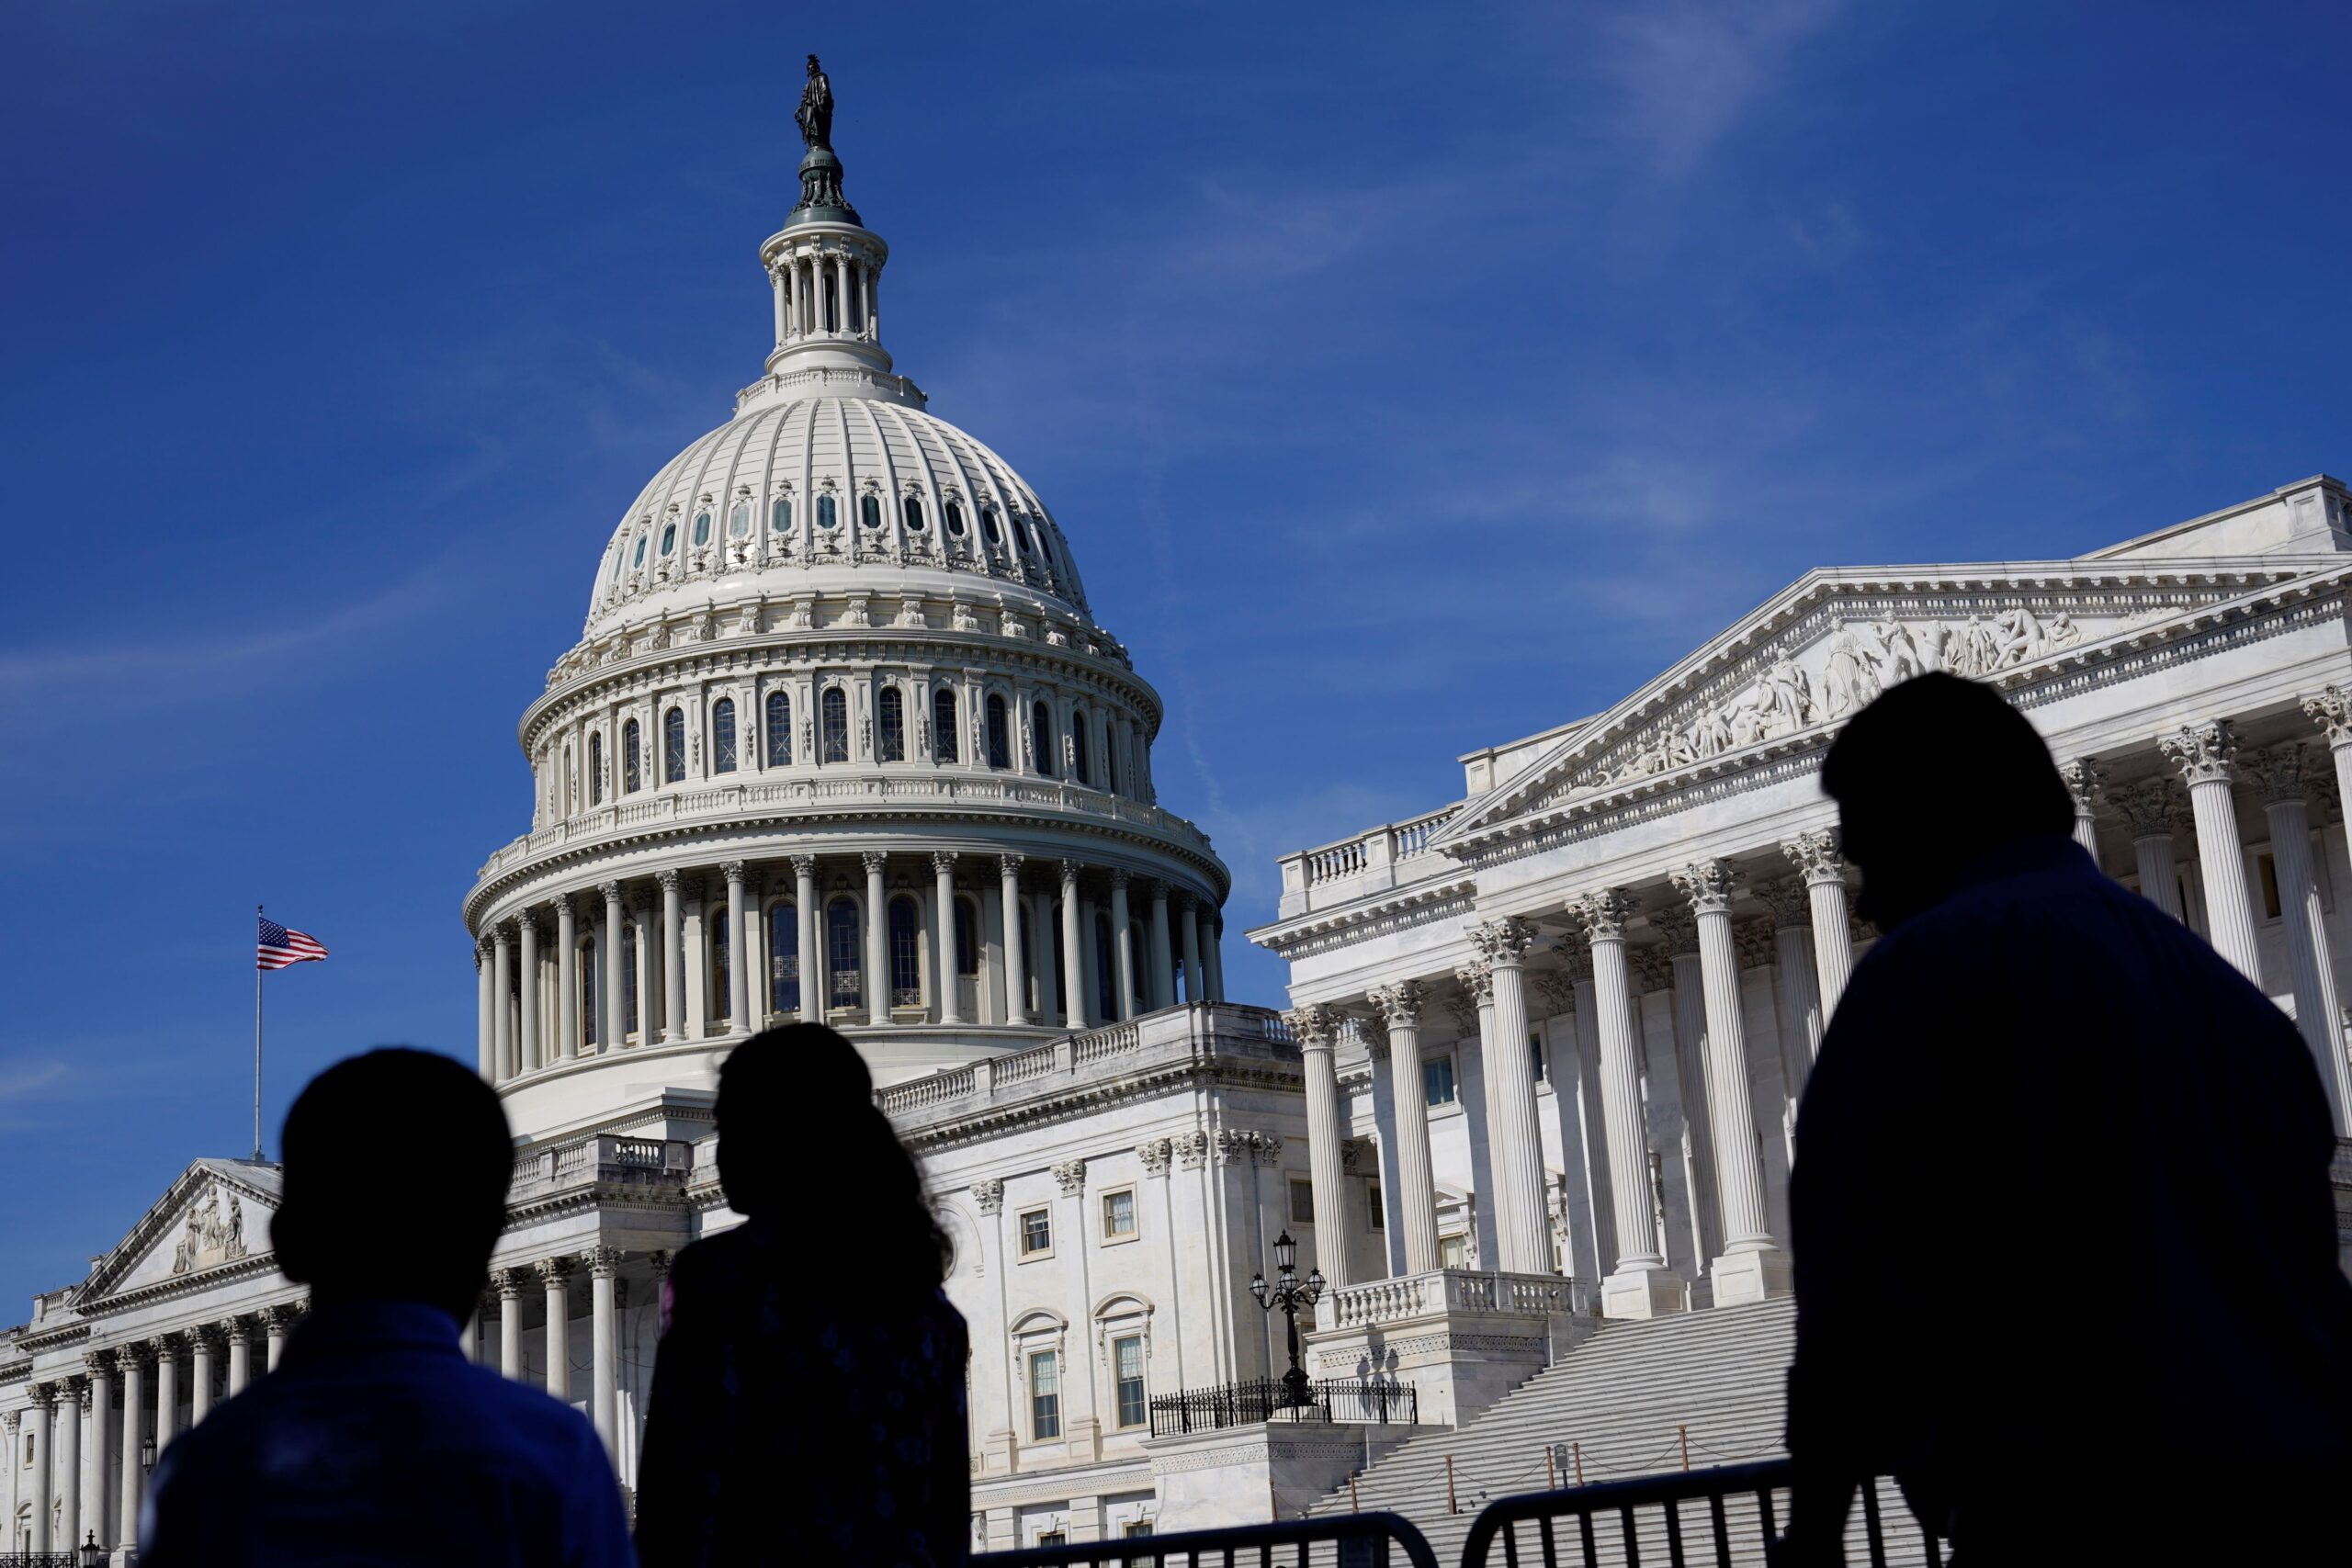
1690 71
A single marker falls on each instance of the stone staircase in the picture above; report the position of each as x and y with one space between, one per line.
1624 1402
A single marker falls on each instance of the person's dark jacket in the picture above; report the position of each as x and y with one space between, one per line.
2061 1198
802 1414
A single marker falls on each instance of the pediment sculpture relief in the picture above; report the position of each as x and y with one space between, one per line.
211 1235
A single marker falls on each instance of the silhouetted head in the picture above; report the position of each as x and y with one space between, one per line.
1929 777
797 1118
397 1165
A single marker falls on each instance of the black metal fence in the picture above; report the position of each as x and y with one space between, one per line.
1342 1540
1265 1399
1718 1516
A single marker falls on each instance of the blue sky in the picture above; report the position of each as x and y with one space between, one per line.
1409 378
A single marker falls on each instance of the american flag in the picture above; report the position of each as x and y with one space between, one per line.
280 947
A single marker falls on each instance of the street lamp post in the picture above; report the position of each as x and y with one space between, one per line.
1290 1293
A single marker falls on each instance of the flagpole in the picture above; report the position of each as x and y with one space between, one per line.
257 1046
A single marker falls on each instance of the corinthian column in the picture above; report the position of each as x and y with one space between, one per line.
69 1462
2331 711
508 1283
1816 856
485 1025
501 1020
2206 755
101 1439
877 941
739 949
1641 1285
943 900
37 1422
1078 973
1123 948
2149 807
2084 779
527 1049
673 959
611 1027
1400 1009
567 979
1016 968
1801 1013
805 929
603 1264
1522 1228
555 1274
2280 773
1752 1266
134 1433
1317 1029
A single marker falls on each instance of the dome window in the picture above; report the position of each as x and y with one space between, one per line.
595 769
632 774
1000 735
1041 738
943 723
955 519
869 511
989 529
674 746
738 520
891 726
912 509
1028 540
722 736
834 706
779 730
702 529
668 537
826 516
1077 767
780 513
639 558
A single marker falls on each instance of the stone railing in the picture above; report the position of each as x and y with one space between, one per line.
603 1157
1459 1292
836 790
1368 862
1187 1031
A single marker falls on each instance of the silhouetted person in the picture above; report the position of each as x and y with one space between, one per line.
376 1441
2063 1234
809 1393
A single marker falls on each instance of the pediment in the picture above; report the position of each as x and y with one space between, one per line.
1793 669
215 1216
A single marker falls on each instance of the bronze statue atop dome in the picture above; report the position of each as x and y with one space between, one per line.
815 115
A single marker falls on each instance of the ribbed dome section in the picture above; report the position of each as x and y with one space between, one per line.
808 491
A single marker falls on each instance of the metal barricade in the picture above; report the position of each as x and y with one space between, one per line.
1342 1540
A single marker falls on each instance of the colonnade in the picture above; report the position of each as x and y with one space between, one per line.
85 1461
1811 948
825 293
553 1281
903 939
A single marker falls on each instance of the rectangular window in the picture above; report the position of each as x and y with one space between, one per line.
1302 1202
1044 1394
1379 1219
1126 1361
1036 1233
2269 868
1138 1529
1452 1252
1119 1215
1436 1081
1052 1537
1535 1052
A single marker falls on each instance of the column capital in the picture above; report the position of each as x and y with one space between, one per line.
1478 980
1752 940
1815 856
1069 870
804 865
1503 942
100 1363
1373 1030
1157 888
1680 928
1792 906
507 1283
2205 753
526 921
1603 913
2150 805
1706 883
2084 780
1069 1175
1399 1003
1558 987
1316 1026
1010 866
1652 966
242 1329
2331 711
989 1195
667 879
604 1262
1154 1154
167 1346
563 903
2280 773
942 863
1120 878
1576 956
499 934
611 891
658 1261
734 871
874 860
553 1272
281 1316
43 1394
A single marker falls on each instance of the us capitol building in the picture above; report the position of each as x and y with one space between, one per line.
842 741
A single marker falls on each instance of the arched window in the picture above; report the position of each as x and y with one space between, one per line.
906 953
1078 768
968 937
891 726
1106 973
999 734
779 729
955 519
674 746
637 556
632 772
596 769
722 736
826 515
702 529
668 537
738 520
722 990
944 743
869 511
912 512
989 529
835 710
586 1002
841 956
783 959
780 513
629 980
1041 738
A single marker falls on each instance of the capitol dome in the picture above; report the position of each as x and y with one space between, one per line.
841 741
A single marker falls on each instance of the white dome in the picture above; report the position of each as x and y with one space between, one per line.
790 494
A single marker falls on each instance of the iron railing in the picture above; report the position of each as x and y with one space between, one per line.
1718 1516
1342 1540
1265 1399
